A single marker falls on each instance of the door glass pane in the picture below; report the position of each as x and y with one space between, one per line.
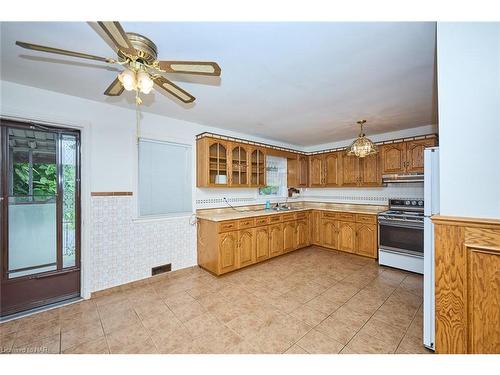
68 160
32 191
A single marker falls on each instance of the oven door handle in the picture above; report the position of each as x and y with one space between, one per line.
415 224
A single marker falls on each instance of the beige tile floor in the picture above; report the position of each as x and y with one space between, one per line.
308 301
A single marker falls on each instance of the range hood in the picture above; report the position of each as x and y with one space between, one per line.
402 178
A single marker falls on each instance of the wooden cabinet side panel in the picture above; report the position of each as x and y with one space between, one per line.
208 245
201 163
450 289
483 301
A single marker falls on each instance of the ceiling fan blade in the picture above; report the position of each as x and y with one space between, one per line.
64 52
205 68
117 35
173 89
115 89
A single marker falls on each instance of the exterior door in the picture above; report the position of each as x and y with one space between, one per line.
40 216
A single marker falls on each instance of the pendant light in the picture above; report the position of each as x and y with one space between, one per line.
362 146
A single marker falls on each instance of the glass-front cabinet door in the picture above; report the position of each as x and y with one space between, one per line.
239 166
217 163
258 168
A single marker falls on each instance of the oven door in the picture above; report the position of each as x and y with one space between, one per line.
402 237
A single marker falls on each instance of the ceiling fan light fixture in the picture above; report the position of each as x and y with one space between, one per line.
128 79
144 82
362 146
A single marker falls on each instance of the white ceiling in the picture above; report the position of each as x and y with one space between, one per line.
301 83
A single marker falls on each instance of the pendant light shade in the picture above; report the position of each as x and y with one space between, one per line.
362 146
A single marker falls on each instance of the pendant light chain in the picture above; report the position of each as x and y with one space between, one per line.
138 119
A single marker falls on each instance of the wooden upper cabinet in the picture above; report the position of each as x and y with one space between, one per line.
257 168
239 166
366 240
228 249
347 236
212 163
333 169
246 247
415 154
369 171
393 158
405 157
261 243
316 171
303 171
350 170
292 172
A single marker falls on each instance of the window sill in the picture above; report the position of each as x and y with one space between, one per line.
177 215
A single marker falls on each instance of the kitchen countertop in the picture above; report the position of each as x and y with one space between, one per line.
223 214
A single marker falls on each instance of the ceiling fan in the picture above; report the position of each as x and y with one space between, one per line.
138 55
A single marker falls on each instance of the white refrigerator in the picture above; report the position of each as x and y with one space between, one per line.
431 207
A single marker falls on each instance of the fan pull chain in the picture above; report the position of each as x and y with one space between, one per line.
138 122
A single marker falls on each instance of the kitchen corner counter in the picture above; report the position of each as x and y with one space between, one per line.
222 214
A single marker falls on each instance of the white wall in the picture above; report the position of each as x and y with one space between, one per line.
468 57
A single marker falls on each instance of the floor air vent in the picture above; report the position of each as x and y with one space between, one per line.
161 269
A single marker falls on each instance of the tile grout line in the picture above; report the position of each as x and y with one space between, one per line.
371 316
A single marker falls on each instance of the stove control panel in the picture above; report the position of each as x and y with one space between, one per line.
417 204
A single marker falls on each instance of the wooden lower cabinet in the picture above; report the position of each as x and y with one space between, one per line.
275 240
302 234
246 247
329 233
347 236
366 240
231 244
289 236
315 227
261 243
228 252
